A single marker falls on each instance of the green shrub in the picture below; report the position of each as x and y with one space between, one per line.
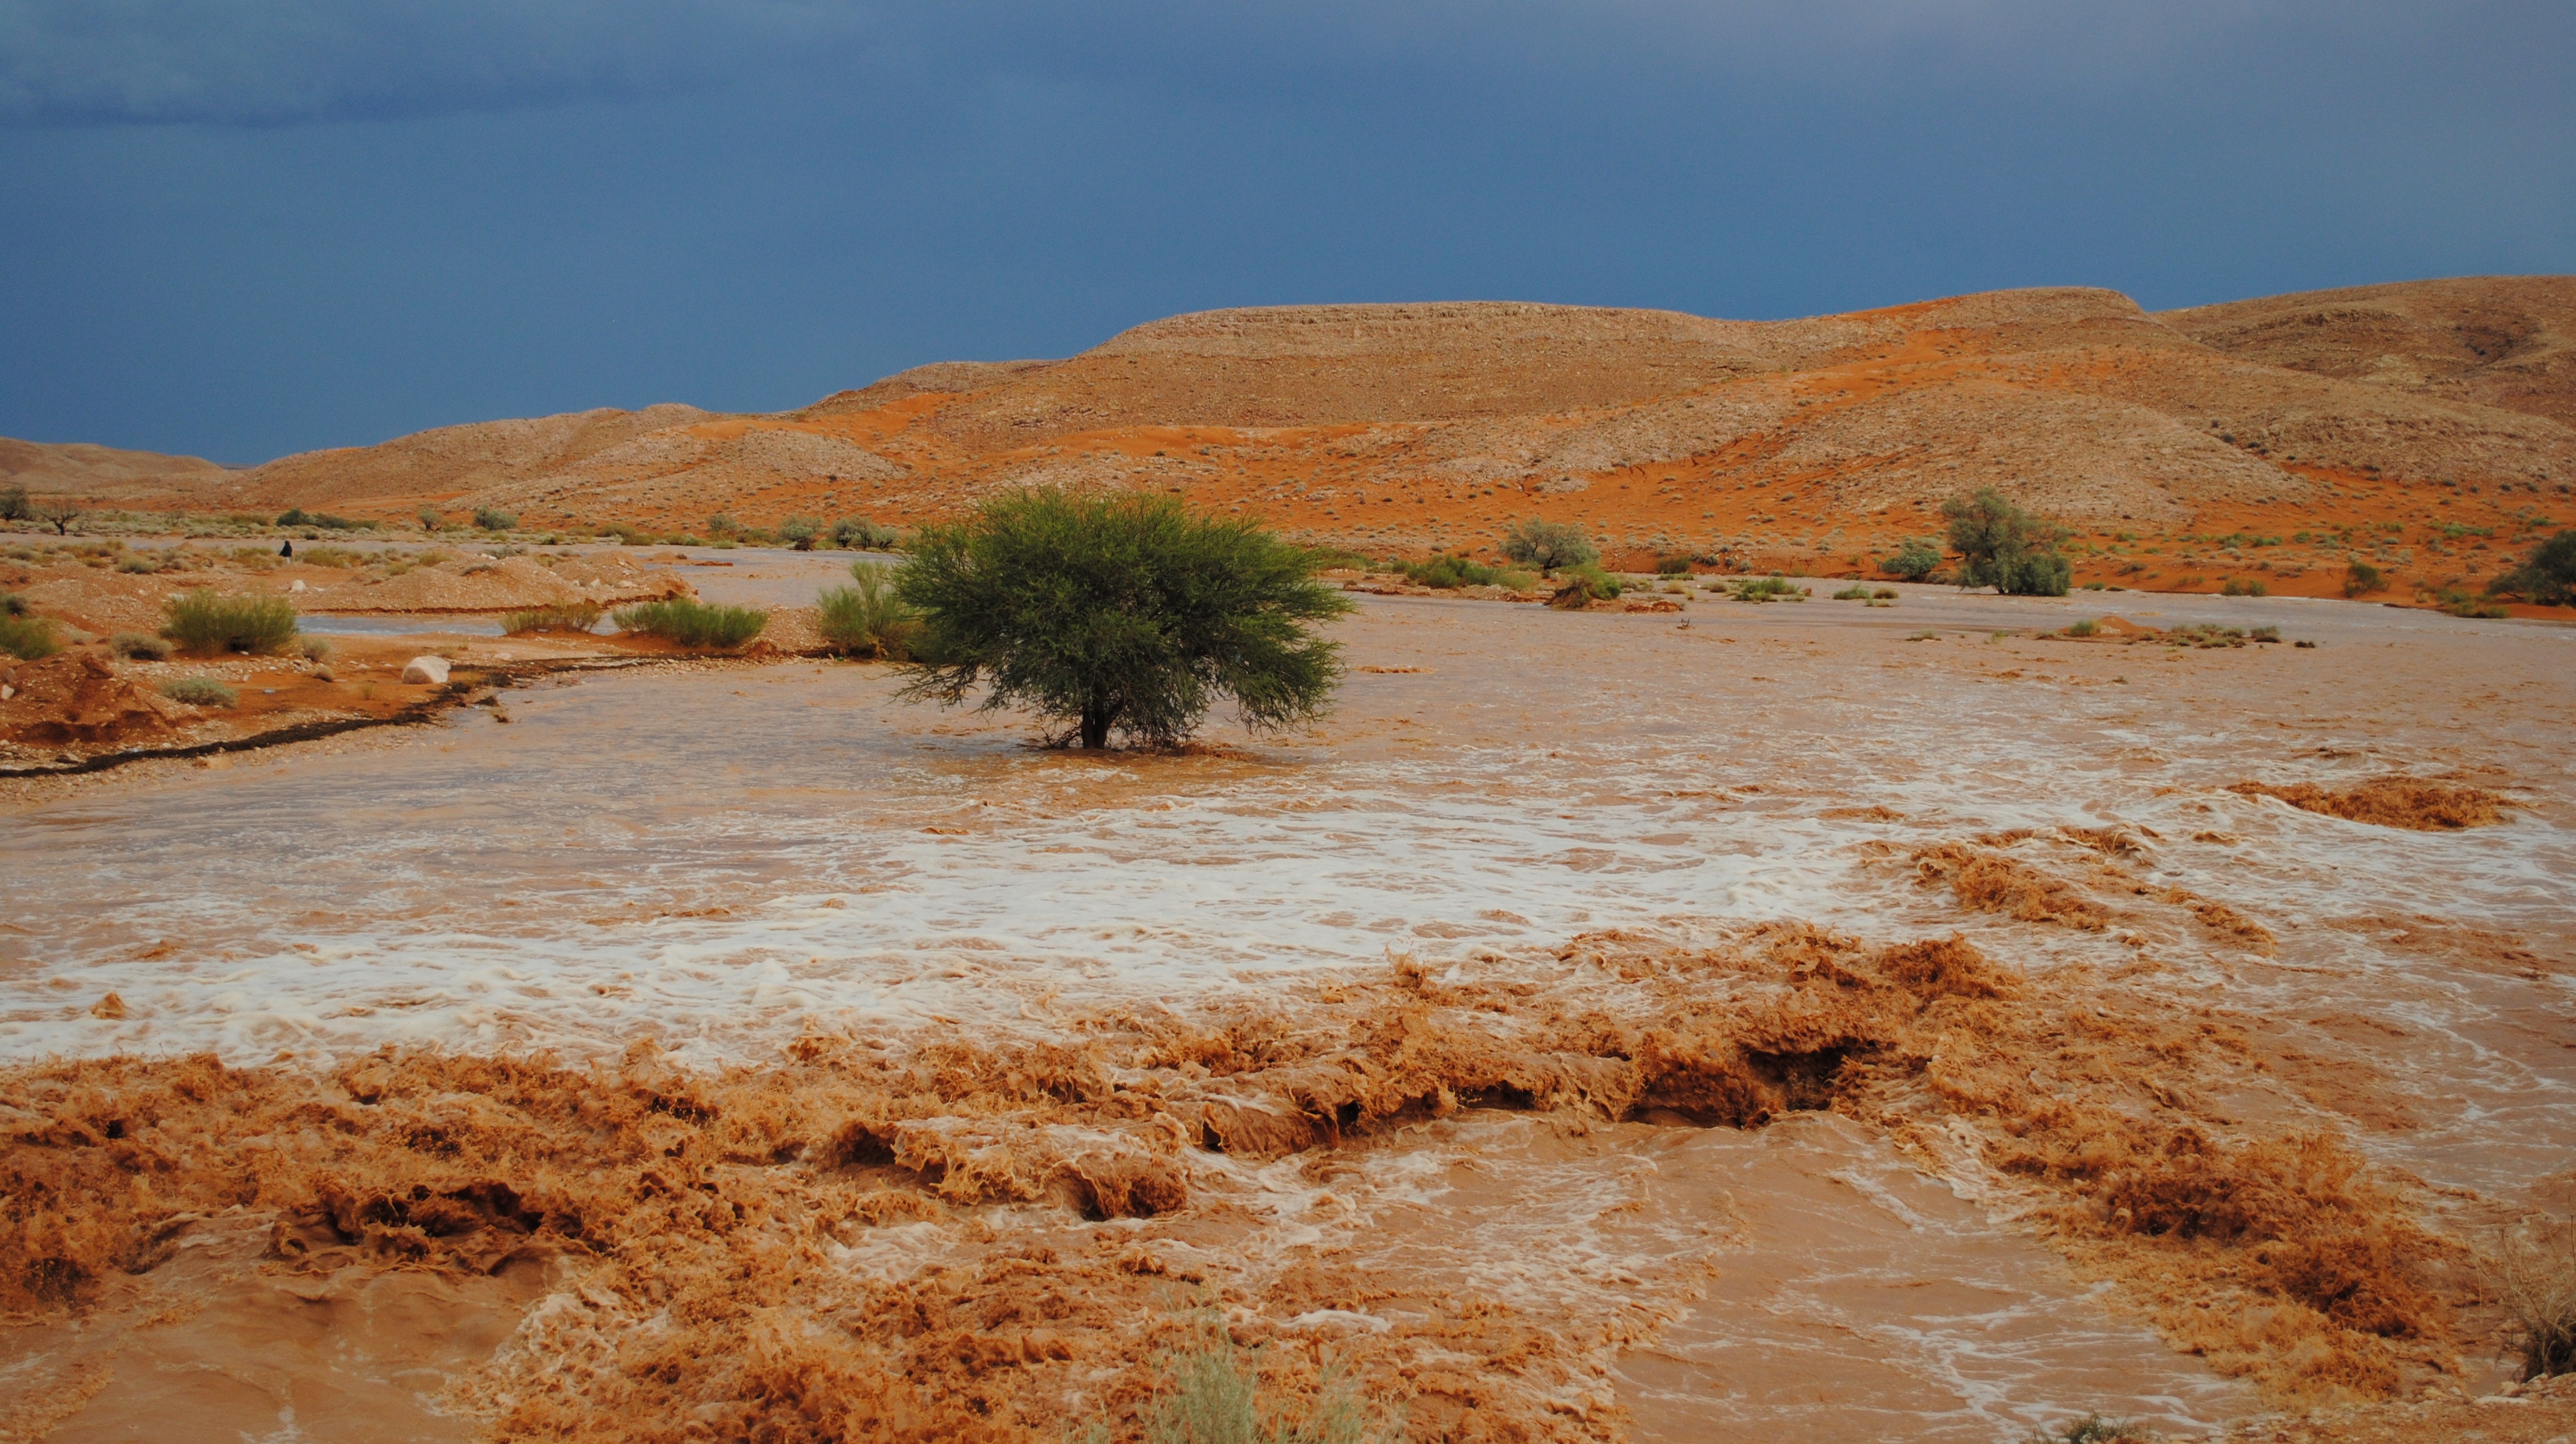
694 624
1769 589
561 617
492 519
857 533
2083 627
140 564
1914 560
2004 547
139 647
203 621
1451 572
799 532
428 519
200 692
2460 603
1853 594
295 516
331 557
1119 612
2243 587
1583 584
1549 545
867 619
2263 634
14 505
722 526
27 638
2547 576
1672 566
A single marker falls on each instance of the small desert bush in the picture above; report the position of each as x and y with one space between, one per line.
139 647
2242 587
1215 1397
2083 627
2264 634
1673 566
1852 594
857 533
2094 1429
138 564
1769 589
1913 561
2533 1273
27 638
694 624
1583 584
1448 573
492 519
799 532
2360 579
867 619
206 622
2460 603
331 557
200 692
562 617
1883 594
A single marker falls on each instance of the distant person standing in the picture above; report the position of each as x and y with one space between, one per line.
287 548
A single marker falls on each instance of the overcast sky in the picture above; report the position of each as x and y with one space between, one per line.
239 229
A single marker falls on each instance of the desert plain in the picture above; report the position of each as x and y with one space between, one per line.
1917 1015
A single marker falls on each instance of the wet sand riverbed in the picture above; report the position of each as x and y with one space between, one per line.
729 860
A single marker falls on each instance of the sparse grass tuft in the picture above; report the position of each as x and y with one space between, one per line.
2360 579
694 624
2094 1429
140 648
866 619
563 617
139 564
1447 573
204 621
2083 627
27 638
328 556
2263 634
2242 587
200 692
1854 593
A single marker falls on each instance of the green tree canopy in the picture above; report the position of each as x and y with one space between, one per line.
2004 547
1118 612
1548 545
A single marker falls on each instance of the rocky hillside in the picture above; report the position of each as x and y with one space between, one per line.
2418 425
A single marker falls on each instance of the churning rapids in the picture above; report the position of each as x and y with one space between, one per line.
737 862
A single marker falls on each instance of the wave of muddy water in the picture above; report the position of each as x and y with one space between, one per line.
728 859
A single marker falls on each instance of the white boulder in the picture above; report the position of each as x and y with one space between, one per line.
432 670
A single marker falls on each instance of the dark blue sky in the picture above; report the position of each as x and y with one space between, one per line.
240 229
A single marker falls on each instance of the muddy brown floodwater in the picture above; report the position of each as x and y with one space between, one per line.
1770 1027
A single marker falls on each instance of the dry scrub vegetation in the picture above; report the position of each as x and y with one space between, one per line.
711 1216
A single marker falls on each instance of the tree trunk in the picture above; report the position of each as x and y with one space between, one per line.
1095 727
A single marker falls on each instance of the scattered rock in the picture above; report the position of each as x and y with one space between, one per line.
430 670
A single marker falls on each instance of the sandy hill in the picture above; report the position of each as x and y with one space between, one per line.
2441 409
103 472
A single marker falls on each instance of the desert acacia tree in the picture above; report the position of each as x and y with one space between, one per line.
1118 612
2004 547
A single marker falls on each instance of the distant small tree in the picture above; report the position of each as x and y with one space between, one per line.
2004 547
1918 558
722 524
58 512
799 532
2360 579
1548 545
428 519
1118 612
14 505
2547 576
